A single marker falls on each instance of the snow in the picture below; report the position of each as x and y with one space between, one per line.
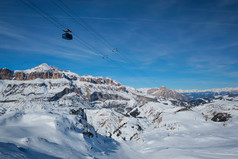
51 134
184 134
54 133
33 127
41 68
196 138
217 90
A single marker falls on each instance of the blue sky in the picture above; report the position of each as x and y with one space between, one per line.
181 44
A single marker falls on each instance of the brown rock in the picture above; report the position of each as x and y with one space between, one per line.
166 93
19 76
6 74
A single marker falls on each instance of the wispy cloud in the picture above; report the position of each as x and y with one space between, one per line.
41 43
210 10
143 20
224 46
11 31
212 65
224 3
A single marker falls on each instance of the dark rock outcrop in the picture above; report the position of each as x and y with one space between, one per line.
135 113
61 94
183 109
64 92
221 117
101 97
89 134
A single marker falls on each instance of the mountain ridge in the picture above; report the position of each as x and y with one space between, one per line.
97 117
217 90
8 74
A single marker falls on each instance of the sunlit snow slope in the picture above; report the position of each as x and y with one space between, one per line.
49 113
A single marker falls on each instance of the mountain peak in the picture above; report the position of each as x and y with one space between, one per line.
163 88
166 93
44 67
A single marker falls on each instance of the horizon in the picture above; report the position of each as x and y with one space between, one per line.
127 85
179 44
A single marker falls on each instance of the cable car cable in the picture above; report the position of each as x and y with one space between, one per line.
85 25
57 24
88 28
60 26
81 25
43 14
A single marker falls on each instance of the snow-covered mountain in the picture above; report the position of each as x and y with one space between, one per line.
217 90
164 93
44 87
209 93
46 112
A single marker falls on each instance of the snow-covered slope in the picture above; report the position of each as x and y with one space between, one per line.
46 112
54 134
192 134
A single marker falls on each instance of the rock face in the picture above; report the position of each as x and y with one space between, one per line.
54 85
6 74
45 71
165 93
99 80
103 97
20 76
89 88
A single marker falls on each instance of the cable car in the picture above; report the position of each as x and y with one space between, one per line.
67 35
105 57
115 50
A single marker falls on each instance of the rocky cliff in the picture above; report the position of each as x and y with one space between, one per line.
6 74
46 87
45 71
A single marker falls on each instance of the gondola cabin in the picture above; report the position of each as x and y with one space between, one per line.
67 36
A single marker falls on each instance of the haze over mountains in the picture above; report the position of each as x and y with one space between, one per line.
46 112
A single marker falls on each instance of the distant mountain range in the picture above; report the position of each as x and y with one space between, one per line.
209 93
